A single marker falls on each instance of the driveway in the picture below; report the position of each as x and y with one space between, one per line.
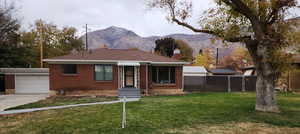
8 101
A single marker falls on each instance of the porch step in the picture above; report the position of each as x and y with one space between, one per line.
130 93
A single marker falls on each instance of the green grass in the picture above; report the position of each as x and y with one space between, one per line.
194 113
59 101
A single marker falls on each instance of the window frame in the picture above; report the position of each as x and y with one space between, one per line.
157 79
64 67
104 72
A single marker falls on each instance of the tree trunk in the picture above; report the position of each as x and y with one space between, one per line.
265 92
266 77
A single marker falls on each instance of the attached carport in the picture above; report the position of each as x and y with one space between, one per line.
25 80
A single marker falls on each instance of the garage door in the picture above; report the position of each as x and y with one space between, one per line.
32 84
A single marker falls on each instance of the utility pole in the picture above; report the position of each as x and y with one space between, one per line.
5 4
40 29
217 58
86 36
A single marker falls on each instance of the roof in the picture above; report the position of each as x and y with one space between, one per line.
223 71
24 70
194 69
114 55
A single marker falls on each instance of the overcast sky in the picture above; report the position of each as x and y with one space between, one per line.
98 14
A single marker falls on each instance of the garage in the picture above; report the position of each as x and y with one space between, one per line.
32 84
25 80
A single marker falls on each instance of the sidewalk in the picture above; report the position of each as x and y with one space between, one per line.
61 107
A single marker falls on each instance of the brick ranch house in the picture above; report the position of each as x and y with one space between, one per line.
113 72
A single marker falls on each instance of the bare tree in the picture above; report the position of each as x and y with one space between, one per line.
260 24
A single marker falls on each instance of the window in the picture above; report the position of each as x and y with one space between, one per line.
70 69
163 75
103 72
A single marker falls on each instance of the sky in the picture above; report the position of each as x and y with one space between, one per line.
99 14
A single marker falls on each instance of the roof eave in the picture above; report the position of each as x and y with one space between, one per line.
69 61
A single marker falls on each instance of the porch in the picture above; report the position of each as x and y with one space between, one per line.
137 78
129 79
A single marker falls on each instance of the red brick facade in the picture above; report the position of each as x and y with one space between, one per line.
9 82
84 83
83 80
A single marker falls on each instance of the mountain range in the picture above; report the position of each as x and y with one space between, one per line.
121 38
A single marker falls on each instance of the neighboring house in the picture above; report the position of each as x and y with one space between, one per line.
112 72
24 80
220 71
194 71
249 71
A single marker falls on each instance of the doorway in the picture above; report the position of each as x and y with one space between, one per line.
129 76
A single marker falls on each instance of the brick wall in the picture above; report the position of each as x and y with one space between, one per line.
83 80
9 81
143 76
9 84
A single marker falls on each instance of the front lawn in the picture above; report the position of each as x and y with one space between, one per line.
190 114
59 101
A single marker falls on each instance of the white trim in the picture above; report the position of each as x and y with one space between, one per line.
176 63
27 73
122 63
63 61
135 77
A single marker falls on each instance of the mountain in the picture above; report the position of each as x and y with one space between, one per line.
120 38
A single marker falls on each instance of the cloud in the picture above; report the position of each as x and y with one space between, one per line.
99 14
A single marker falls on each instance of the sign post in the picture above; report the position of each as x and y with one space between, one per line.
124 112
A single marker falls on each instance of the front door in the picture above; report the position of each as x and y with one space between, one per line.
129 76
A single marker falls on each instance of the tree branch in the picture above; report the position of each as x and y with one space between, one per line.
233 39
171 5
192 28
242 8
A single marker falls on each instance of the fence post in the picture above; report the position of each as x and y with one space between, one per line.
124 112
229 84
243 84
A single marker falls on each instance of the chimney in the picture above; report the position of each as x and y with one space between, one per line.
176 54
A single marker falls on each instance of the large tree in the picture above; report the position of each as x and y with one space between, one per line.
205 58
260 24
237 60
12 52
55 41
166 47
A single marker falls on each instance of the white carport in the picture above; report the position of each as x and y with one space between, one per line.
194 71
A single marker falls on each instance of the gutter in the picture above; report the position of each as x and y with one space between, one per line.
53 61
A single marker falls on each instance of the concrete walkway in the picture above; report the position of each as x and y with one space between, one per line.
61 107
13 100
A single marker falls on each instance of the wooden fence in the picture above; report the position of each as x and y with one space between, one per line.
295 80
